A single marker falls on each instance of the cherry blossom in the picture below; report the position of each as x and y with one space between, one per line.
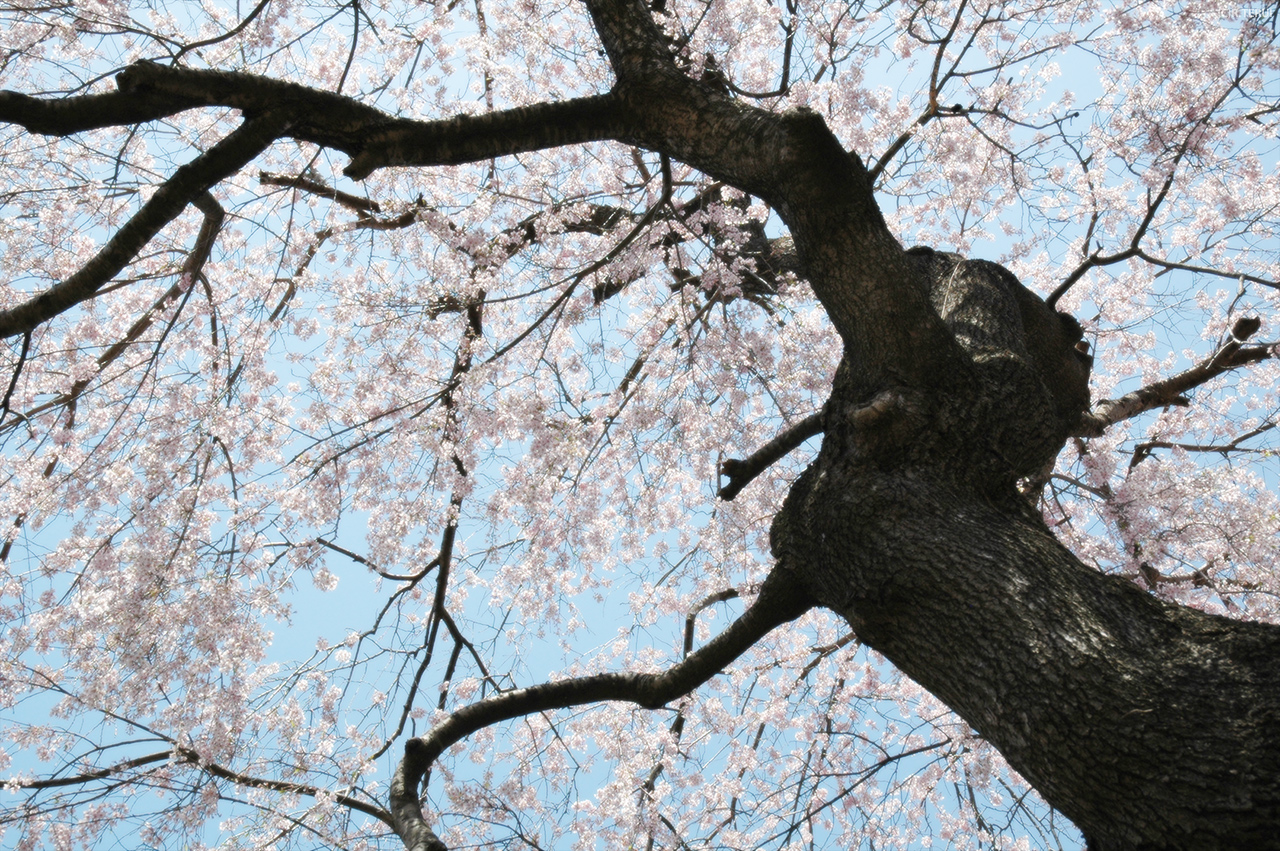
323 461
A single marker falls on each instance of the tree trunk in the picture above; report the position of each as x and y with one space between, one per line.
1148 724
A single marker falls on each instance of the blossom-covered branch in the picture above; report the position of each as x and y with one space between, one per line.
779 601
187 185
1171 391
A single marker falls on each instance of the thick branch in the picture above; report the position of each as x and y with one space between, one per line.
64 116
188 183
373 138
148 91
780 601
794 162
469 138
339 119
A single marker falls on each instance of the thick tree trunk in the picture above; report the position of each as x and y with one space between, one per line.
1148 724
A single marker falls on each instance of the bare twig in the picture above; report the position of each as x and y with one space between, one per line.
319 187
742 471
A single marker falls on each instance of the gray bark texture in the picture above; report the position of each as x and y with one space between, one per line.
1149 725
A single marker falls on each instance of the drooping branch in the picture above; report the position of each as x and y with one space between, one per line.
191 268
1172 390
780 601
17 373
677 726
188 183
190 757
462 363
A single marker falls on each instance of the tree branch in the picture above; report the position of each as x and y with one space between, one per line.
306 183
64 116
1171 390
470 138
795 163
190 757
791 160
17 373
781 600
742 471
1143 450
188 183
636 47
374 139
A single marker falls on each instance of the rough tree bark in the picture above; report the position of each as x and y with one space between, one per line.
1149 725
